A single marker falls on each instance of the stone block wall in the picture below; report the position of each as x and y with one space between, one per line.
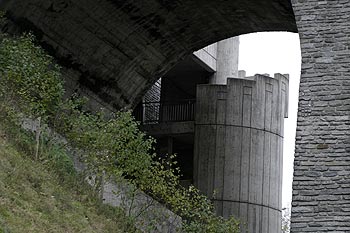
321 186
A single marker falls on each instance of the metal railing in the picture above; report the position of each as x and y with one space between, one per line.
172 111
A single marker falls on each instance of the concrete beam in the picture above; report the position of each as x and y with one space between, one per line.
169 128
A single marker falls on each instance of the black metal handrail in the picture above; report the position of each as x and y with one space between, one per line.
170 111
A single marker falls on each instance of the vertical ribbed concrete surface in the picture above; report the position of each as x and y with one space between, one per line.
226 61
238 149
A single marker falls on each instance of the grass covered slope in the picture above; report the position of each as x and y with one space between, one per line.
34 199
111 145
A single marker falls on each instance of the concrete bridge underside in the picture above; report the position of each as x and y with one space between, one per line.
117 49
120 47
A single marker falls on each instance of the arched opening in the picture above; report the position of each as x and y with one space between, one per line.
167 118
117 51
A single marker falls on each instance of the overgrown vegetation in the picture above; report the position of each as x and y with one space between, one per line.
112 146
48 196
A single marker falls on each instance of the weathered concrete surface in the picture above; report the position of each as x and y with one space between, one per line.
321 186
119 48
221 58
169 128
227 60
149 214
208 56
238 149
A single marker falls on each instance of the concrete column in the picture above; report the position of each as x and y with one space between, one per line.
227 60
238 149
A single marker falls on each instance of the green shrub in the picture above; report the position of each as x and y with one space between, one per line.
29 79
116 147
30 86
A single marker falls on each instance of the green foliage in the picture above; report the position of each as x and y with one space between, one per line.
29 79
116 147
34 198
111 146
286 220
57 158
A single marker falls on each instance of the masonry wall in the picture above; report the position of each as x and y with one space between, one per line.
321 186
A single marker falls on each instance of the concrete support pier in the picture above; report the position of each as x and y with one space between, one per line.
238 149
227 60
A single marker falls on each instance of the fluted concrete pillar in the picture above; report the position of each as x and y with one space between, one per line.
226 60
238 149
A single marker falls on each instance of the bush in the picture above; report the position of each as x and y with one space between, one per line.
29 79
30 86
117 147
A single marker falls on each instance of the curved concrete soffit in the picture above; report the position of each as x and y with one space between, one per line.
117 49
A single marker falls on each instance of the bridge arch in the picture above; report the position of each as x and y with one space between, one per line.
117 49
